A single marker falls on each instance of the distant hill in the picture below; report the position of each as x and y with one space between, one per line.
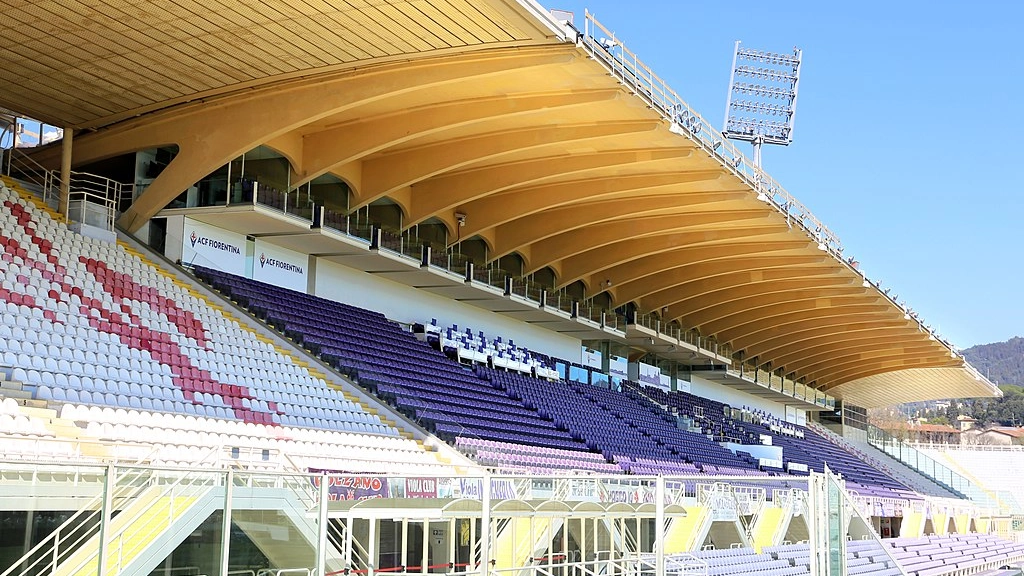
1002 362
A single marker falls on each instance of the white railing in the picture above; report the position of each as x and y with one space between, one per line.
92 199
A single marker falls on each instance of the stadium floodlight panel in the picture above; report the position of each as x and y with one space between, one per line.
762 96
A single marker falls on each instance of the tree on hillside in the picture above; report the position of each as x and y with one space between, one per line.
1001 362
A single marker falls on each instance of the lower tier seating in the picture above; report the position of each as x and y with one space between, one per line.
90 322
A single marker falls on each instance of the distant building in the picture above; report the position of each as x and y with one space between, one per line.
966 423
995 436
924 433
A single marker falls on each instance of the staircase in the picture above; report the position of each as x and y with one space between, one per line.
150 512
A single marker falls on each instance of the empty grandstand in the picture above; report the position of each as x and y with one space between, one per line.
466 289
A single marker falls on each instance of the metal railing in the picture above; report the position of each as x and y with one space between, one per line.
927 465
78 529
92 199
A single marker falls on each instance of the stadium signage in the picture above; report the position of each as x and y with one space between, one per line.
209 246
275 263
341 486
500 489
421 488
215 244
279 266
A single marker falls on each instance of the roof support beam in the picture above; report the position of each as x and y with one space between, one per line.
694 251
782 314
797 356
384 174
920 360
325 150
784 324
445 193
712 293
208 135
677 275
595 263
496 209
697 318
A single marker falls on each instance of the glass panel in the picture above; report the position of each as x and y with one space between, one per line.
280 536
836 528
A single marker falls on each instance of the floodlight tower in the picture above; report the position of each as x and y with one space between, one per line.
762 98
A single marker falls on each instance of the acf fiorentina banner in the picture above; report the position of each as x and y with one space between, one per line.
279 266
209 246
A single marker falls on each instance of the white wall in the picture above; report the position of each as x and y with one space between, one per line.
733 397
173 242
406 304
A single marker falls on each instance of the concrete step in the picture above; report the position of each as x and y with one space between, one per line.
17 394
64 429
42 413
7 384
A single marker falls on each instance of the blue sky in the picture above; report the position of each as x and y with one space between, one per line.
904 138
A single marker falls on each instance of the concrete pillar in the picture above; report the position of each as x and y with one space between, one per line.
65 172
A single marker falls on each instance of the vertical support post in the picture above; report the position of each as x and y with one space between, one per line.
348 542
472 547
485 526
549 544
565 540
66 143
814 523
228 187
27 541
321 534
659 526
452 542
425 560
371 547
732 78
109 479
225 527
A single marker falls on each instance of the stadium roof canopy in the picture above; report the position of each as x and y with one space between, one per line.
495 110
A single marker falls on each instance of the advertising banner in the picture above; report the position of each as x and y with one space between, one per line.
421 488
212 247
279 266
341 486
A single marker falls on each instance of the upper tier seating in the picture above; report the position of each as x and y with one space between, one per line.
490 405
89 322
642 439
444 396
800 445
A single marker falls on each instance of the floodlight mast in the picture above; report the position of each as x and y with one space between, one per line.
768 82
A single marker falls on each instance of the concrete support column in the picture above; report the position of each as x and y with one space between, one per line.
65 172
